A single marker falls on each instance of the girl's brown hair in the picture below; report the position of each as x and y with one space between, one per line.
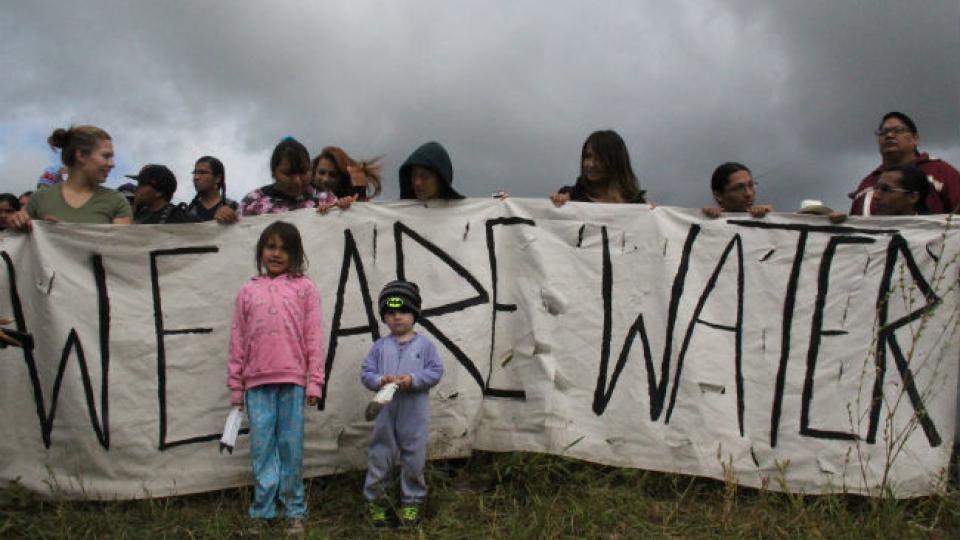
290 237
341 161
609 148
81 139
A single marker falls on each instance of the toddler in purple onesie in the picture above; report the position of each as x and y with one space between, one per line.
410 361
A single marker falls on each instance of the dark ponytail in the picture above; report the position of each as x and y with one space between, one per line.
216 168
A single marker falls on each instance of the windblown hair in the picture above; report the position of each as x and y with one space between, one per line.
342 161
75 139
290 236
609 148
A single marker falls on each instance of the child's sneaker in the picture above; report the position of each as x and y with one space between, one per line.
410 515
295 527
377 514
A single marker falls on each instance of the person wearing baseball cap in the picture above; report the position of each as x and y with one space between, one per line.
156 185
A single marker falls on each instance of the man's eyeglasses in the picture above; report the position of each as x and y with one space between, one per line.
898 130
741 188
198 173
884 188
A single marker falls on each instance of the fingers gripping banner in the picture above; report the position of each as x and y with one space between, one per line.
780 352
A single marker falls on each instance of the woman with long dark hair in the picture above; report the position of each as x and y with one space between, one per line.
606 175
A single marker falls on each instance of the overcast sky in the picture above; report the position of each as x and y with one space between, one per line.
793 89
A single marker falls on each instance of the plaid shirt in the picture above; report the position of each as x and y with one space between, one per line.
270 200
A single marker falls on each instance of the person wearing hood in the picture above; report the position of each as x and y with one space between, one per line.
428 174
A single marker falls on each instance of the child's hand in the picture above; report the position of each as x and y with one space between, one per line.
404 381
312 401
239 405
344 202
323 208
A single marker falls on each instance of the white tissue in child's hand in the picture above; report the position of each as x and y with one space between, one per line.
386 393
380 400
230 430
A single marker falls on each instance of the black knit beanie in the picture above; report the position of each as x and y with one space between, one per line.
401 296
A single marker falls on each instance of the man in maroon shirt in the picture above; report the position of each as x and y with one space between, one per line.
897 138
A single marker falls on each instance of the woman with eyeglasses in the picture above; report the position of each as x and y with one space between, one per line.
734 190
211 201
606 175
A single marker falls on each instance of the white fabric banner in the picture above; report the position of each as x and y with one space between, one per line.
776 352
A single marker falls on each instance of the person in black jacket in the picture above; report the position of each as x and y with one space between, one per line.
211 201
156 185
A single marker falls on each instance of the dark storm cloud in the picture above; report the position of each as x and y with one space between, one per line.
850 62
793 89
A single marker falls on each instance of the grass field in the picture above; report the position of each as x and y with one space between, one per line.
509 496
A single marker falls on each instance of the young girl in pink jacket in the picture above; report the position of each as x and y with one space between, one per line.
276 356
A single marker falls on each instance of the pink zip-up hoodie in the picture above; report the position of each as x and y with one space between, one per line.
276 336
